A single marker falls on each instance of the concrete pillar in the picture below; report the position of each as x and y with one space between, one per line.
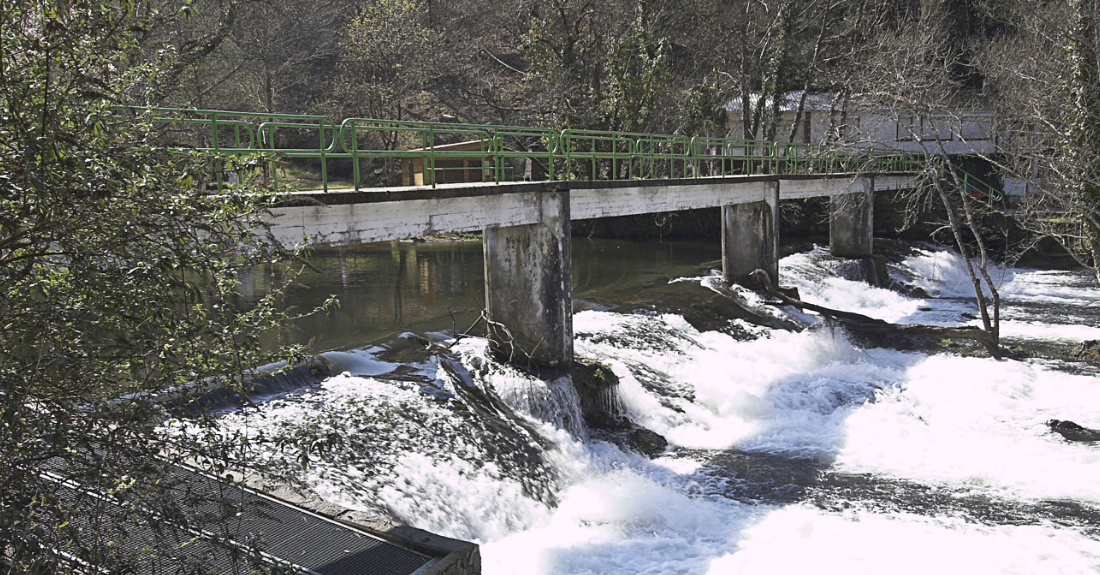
851 221
528 287
750 237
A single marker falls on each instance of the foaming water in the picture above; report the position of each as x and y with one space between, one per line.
384 447
623 521
793 397
814 274
980 425
943 273
789 451
798 539
1037 304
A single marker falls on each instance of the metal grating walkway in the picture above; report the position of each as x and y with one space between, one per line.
247 520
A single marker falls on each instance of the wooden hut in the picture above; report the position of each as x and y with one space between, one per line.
453 168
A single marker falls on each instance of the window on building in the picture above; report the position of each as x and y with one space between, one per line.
936 128
976 128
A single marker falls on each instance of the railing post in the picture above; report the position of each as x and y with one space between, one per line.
217 150
552 145
694 158
614 155
354 152
431 152
498 143
592 153
324 159
274 159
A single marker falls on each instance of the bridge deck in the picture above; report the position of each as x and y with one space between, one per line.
348 216
336 196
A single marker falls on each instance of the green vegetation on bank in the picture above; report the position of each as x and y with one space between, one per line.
118 281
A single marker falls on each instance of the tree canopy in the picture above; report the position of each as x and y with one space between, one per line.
118 281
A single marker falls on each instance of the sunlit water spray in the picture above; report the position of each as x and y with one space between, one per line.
789 451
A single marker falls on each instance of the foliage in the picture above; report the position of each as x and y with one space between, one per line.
117 290
1044 78
636 78
564 44
1082 126
600 65
388 61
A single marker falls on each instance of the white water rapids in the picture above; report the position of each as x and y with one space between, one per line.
789 452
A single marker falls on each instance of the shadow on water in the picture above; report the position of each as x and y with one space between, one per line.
391 288
383 289
783 479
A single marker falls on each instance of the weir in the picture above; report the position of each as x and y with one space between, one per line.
526 229
526 233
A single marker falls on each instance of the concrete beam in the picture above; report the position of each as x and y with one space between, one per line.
651 198
804 187
528 287
750 236
348 217
895 182
851 221
341 224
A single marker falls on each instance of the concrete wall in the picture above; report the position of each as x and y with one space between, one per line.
851 221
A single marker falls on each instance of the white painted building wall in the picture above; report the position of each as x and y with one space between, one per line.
964 133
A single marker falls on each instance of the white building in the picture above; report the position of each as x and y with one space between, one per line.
964 133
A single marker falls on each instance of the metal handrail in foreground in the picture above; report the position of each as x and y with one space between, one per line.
373 152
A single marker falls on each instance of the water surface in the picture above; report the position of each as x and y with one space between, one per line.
790 451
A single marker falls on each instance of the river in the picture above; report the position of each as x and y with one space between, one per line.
789 451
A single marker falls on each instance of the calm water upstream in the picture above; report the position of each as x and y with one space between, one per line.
789 451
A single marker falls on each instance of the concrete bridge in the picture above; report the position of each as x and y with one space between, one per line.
465 177
527 239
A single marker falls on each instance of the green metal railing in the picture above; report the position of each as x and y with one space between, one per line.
974 186
978 188
362 153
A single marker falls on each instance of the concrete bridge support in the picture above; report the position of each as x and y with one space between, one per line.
750 237
528 286
851 221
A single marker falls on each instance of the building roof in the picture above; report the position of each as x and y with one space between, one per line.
467 146
814 101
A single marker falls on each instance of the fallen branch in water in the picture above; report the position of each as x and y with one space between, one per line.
869 325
